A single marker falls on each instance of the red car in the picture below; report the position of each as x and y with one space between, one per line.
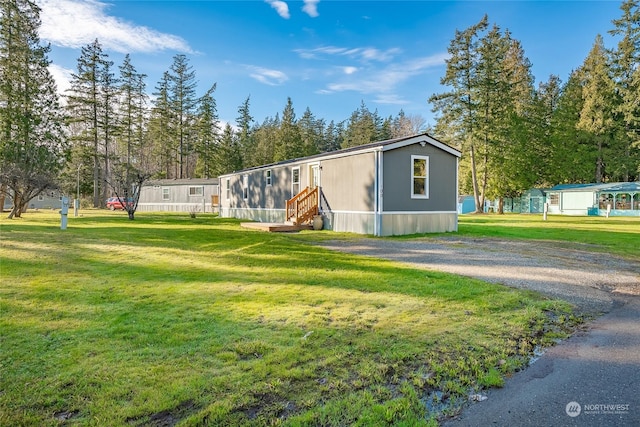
114 203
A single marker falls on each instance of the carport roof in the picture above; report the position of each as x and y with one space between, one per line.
618 187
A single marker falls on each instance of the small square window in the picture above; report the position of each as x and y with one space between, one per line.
196 191
166 195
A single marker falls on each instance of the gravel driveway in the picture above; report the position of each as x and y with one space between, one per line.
573 381
591 281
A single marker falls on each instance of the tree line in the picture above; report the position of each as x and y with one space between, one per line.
109 135
515 136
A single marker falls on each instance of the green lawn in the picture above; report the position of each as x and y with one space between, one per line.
616 235
171 320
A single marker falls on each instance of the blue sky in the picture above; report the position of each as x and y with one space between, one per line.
328 55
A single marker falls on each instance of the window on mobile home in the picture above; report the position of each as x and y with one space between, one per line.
420 177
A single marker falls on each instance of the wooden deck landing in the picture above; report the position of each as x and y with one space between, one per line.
273 227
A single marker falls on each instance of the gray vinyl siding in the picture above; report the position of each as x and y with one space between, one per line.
260 195
152 196
397 177
350 189
348 183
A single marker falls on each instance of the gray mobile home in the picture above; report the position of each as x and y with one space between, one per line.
48 199
401 186
179 195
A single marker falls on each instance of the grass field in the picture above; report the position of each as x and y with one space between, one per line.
168 320
616 235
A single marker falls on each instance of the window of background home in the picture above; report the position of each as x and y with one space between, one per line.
196 191
245 187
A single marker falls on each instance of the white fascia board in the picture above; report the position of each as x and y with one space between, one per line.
421 138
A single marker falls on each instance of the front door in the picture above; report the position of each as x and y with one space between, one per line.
314 176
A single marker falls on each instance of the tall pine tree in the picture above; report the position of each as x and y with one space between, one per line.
86 108
598 110
32 142
183 103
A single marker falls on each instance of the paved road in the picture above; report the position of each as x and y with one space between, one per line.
598 370
594 375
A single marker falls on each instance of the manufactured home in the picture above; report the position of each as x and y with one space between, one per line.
179 195
48 199
615 199
400 186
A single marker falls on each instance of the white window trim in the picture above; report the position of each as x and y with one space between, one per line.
427 180
228 189
311 175
269 177
297 168
166 191
245 187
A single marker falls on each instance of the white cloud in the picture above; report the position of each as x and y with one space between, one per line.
76 23
281 7
384 81
349 70
390 98
267 76
311 8
359 53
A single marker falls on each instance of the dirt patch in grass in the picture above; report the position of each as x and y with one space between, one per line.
166 418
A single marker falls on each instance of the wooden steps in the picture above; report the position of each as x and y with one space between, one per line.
274 227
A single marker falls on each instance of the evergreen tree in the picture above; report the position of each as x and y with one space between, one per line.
228 156
264 139
183 104
571 156
361 128
598 116
208 133
32 142
132 164
289 142
516 166
544 104
162 131
244 123
626 66
86 109
492 114
107 122
332 139
311 133
458 108
133 101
